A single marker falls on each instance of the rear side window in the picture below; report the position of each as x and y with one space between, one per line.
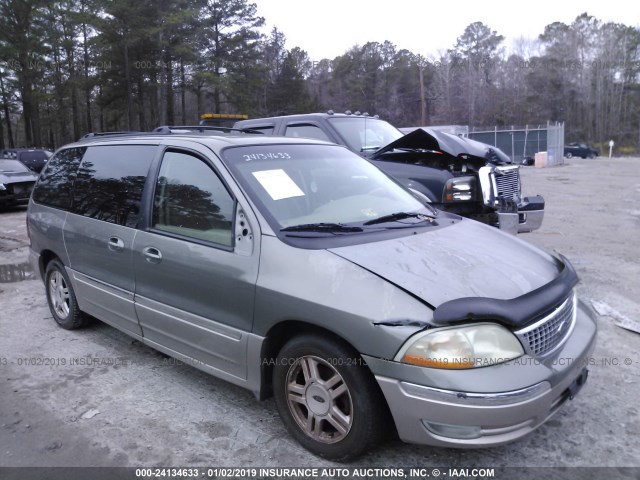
110 183
191 200
268 130
56 182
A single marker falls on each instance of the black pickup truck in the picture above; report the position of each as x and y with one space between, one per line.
456 174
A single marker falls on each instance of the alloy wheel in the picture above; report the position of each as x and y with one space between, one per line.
319 399
59 294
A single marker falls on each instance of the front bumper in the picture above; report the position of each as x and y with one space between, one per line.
530 214
11 199
528 218
445 407
508 222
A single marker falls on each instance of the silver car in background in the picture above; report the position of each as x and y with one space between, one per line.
296 268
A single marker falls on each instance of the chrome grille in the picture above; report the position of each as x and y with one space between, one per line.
548 333
508 183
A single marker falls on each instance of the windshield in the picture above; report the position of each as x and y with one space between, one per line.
363 134
304 185
12 166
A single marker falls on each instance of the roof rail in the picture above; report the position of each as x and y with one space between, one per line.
199 128
203 128
105 134
172 129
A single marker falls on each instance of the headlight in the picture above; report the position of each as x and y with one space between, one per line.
2 187
455 348
460 189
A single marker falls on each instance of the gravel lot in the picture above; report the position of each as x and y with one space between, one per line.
148 410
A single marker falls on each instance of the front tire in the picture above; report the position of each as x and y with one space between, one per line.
327 397
568 155
61 297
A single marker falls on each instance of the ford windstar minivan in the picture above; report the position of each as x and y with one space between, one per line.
295 268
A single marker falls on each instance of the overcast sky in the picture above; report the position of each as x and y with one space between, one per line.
327 28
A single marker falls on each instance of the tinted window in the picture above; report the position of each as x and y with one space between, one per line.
56 182
110 183
265 130
306 131
191 200
37 155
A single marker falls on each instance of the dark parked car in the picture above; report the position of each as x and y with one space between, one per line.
455 174
16 182
33 158
582 150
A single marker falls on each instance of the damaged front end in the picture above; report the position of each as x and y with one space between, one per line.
477 180
501 195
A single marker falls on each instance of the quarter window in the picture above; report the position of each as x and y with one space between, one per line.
110 183
191 200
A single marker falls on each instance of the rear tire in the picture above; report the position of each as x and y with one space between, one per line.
568 155
61 297
327 398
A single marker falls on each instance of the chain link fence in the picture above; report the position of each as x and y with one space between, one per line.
522 142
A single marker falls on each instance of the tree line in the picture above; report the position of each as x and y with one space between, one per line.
68 67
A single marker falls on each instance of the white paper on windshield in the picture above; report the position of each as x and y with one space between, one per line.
278 184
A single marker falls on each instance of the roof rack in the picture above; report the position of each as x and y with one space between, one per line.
204 128
174 129
106 134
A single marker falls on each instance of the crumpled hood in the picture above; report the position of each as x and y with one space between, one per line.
466 259
429 139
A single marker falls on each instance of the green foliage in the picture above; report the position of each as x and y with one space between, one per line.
71 66
478 42
626 151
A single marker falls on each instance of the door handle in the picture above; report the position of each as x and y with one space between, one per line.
152 254
115 244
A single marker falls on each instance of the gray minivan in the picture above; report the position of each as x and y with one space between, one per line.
295 268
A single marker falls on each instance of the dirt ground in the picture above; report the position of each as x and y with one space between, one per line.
95 397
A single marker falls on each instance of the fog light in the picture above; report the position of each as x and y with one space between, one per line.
453 431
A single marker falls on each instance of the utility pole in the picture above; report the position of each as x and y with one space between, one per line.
423 102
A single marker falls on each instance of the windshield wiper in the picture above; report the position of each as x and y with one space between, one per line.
365 149
322 227
394 217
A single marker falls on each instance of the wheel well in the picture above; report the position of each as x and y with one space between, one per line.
276 338
280 334
45 257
